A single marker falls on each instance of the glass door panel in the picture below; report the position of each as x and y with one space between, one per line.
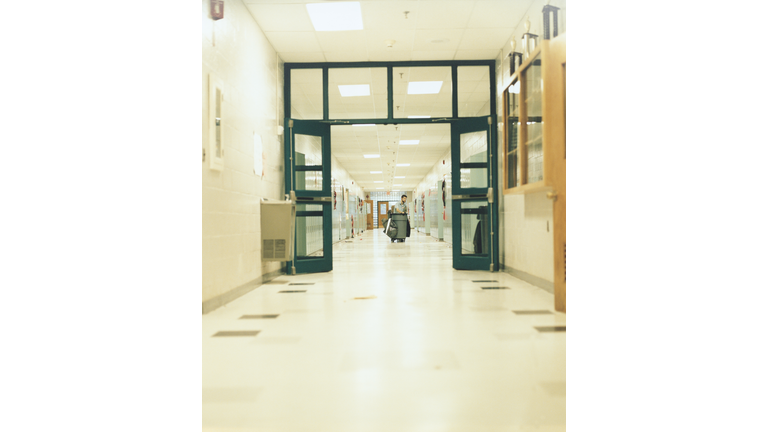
474 227
309 162
474 159
309 231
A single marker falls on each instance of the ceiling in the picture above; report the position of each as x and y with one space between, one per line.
433 30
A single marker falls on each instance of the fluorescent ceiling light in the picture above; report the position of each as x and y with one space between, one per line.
375 172
419 116
335 16
403 164
355 90
424 87
379 188
399 176
409 142
361 125
397 185
371 156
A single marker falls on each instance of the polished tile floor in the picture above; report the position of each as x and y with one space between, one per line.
392 340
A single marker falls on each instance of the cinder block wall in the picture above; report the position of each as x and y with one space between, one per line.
236 50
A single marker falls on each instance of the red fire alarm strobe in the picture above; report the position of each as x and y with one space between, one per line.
217 9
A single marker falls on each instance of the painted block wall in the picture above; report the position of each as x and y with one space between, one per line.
340 181
434 210
525 221
429 183
236 50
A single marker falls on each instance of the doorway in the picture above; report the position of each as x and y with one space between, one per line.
383 207
388 112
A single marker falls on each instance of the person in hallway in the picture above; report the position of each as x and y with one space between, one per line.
402 208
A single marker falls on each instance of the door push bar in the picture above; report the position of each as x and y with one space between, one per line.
314 199
488 196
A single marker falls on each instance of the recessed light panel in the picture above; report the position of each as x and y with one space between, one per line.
424 87
355 90
409 142
375 172
419 117
335 16
372 156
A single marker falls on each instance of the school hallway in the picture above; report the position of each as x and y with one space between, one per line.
393 339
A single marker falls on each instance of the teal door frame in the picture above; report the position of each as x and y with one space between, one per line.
462 262
486 214
303 197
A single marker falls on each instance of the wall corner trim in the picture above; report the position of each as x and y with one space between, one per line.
222 299
531 279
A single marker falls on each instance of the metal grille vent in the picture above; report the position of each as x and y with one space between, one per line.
274 248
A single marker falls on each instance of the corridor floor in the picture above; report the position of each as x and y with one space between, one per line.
392 340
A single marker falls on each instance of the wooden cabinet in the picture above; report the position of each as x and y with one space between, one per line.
534 140
533 123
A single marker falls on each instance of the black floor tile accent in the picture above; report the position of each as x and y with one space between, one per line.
477 281
495 287
302 283
237 333
292 291
258 316
551 329
532 312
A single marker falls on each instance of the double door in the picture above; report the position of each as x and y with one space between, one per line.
475 221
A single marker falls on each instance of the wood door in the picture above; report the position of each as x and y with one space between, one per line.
369 213
554 112
383 208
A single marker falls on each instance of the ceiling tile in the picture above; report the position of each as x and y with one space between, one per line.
389 14
434 55
477 54
444 14
389 55
309 57
284 42
403 39
286 17
484 39
347 56
437 39
498 13
343 40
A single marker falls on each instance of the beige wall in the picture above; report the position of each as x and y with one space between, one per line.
525 221
236 50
